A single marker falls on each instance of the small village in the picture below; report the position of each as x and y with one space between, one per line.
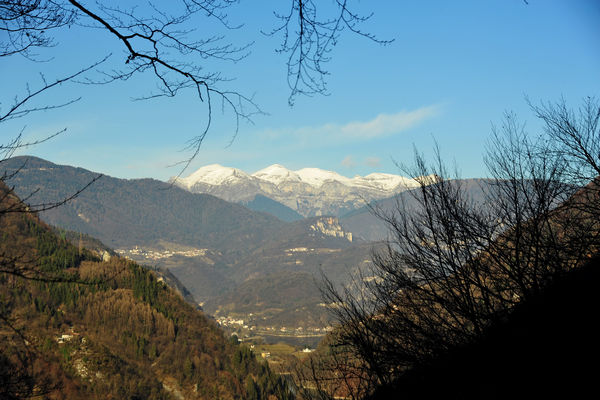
274 344
152 254
235 322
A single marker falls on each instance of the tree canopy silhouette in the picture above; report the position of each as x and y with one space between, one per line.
456 265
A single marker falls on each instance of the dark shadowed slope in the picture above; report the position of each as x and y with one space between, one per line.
548 347
264 204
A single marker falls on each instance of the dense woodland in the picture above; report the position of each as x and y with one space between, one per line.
76 327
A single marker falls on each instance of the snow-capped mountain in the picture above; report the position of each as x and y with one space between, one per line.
308 191
214 174
277 174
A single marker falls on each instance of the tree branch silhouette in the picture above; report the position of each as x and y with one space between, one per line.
457 264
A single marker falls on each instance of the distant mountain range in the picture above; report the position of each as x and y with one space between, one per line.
220 251
235 260
136 212
365 225
308 191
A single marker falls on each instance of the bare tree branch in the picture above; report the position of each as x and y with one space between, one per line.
456 265
309 39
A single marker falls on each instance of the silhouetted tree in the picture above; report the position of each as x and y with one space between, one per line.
455 264
308 39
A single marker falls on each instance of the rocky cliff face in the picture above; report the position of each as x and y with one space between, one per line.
308 191
330 226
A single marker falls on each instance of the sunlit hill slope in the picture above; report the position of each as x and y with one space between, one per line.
80 328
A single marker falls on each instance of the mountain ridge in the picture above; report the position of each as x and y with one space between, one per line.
211 246
307 191
137 211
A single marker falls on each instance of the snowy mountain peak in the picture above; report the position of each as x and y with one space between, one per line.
213 174
276 174
308 191
385 181
317 177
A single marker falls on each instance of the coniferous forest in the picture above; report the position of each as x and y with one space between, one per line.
77 327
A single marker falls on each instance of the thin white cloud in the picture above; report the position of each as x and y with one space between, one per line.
387 124
380 126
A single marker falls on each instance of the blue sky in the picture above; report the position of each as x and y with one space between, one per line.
452 71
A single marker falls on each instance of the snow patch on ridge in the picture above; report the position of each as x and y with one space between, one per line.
276 174
384 181
317 177
213 174
308 191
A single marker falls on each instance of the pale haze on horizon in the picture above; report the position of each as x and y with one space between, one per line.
449 75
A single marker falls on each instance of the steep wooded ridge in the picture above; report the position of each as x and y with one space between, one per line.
134 212
84 241
82 328
220 251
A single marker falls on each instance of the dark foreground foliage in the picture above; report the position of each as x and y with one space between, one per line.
475 298
547 347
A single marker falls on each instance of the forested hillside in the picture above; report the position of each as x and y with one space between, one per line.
221 252
75 327
136 212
